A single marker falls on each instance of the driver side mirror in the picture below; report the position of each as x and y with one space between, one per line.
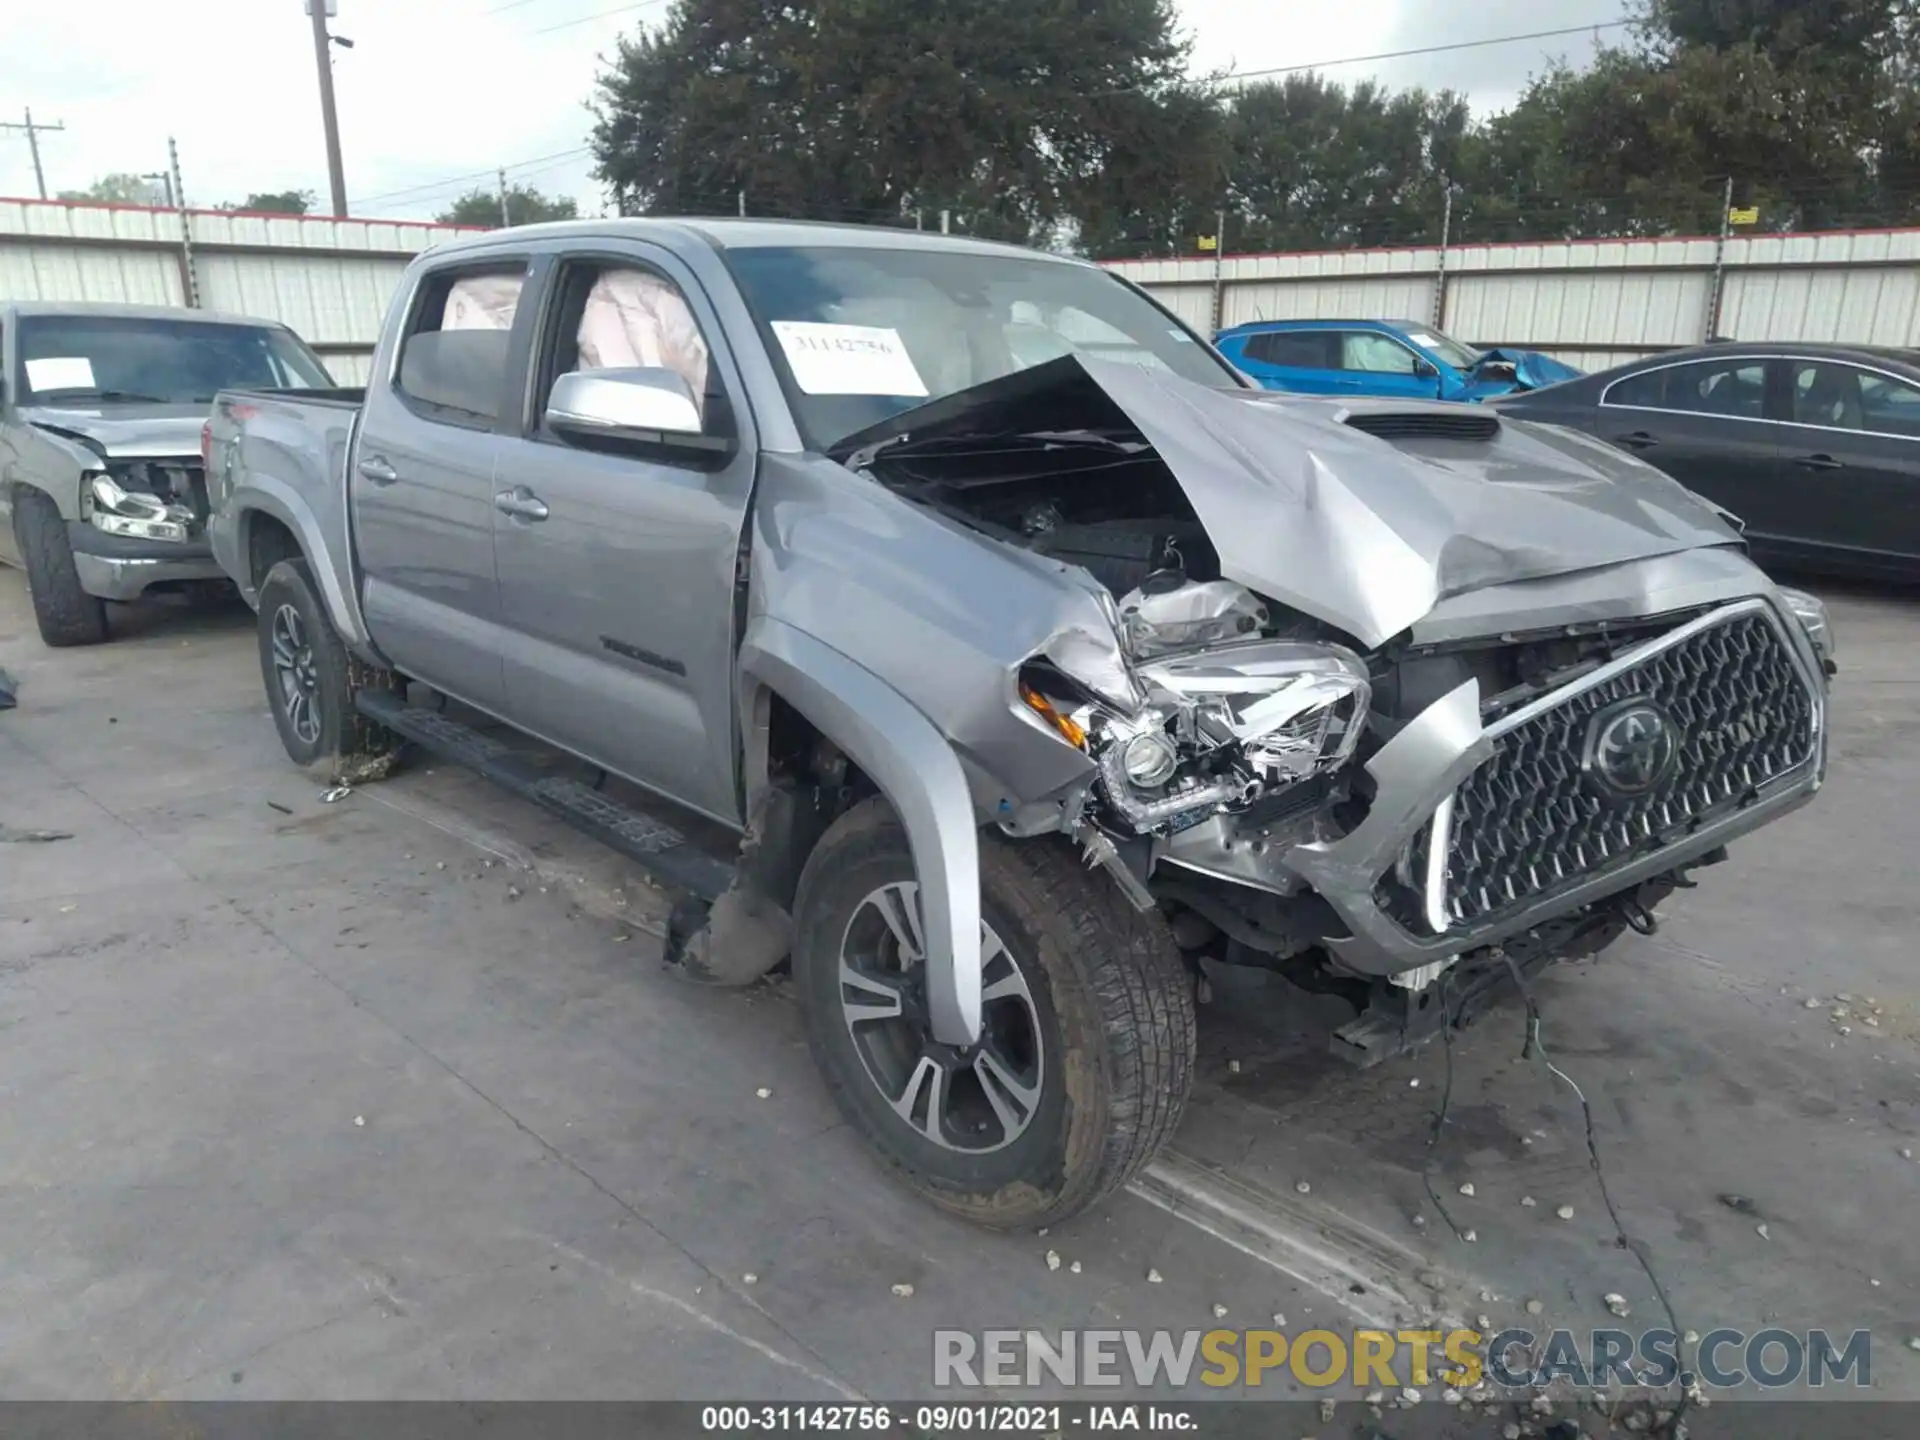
1425 369
645 408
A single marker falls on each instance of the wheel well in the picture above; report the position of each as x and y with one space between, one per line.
269 541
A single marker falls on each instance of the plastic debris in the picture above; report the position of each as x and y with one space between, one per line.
903 1290
1153 1277
1326 1412
749 1279
1074 1268
1280 1323
1618 1305
1233 1067
1761 1231
1565 1212
763 1092
336 794
360 1120
1219 1312
1471 1236
1053 1259
1527 1202
1814 1002
1467 1190
1303 1187
1534 1307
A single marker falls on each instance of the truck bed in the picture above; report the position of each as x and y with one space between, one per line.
293 444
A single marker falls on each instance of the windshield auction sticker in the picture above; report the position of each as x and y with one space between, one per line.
848 359
66 372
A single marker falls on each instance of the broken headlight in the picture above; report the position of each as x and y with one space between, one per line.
1811 612
1223 727
109 508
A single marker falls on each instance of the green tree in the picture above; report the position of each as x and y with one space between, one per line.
120 188
276 202
525 206
1006 113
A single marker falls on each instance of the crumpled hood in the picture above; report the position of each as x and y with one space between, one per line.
1362 533
126 432
1367 535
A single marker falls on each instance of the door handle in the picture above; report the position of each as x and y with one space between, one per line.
1638 440
378 471
1817 462
521 504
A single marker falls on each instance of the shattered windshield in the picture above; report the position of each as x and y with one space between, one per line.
91 359
863 334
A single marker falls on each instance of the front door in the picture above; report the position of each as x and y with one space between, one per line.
1704 423
423 482
1375 363
1849 464
617 570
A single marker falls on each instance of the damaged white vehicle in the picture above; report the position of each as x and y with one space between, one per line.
1030 658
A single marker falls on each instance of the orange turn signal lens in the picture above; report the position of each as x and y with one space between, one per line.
1073 734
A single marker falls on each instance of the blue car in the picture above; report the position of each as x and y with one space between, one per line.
1395 358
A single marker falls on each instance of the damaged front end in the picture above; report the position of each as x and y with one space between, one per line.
1285 762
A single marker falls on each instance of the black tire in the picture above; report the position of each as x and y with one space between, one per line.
1107 993
65 613
326 729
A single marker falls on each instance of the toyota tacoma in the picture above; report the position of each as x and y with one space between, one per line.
1028 658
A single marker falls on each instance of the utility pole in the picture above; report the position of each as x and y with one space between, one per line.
177 190
1715 293
323 59
1440 264
33 143
506 215
1219 269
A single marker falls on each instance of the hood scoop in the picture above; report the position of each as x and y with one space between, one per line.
1481 425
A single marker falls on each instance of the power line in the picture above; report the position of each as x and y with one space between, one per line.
1426 50
510 5
602 15
446 181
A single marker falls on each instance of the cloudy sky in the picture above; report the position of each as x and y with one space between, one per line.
436 93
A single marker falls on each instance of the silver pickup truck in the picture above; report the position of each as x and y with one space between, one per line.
1030 659
102 409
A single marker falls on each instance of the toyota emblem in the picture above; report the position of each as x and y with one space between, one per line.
1630 748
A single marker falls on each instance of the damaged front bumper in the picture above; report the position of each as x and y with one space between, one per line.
120 567
1399 880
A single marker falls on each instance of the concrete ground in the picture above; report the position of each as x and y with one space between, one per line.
390 1097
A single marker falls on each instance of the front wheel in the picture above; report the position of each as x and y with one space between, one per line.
65 613
1086 1051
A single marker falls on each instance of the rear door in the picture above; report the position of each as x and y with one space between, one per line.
1373 362
1303 361
422 491
618 588
1849 463
1705 423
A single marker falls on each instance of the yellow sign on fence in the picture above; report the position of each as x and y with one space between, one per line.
1748 216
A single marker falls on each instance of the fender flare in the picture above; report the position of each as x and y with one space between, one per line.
273 498
917 771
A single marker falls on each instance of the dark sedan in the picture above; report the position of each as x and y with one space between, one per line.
1815 447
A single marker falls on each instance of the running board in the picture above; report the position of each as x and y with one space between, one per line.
659 849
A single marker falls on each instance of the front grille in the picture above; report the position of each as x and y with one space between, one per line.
1536 815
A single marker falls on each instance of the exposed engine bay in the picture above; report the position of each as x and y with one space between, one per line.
1234 697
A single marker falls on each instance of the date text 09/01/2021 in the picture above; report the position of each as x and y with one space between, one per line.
944 1419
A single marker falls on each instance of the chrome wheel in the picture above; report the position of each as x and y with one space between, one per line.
296 674
975 1099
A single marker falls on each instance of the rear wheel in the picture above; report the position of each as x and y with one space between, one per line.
65 613
309 674
1086 1049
